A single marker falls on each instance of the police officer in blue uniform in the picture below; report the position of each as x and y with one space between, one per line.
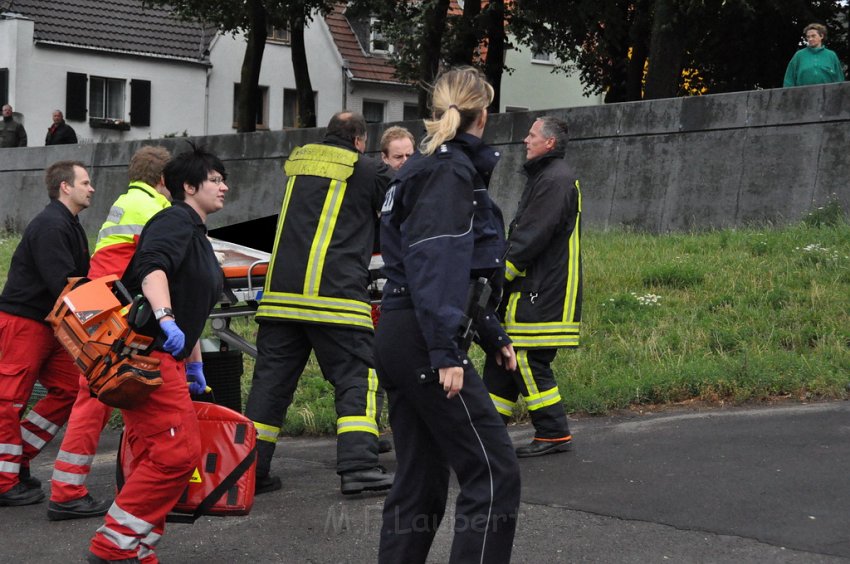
440 233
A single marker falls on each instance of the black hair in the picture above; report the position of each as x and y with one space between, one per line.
190 167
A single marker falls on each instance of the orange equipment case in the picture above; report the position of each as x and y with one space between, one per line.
223 482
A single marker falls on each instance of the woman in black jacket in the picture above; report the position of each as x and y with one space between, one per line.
440 233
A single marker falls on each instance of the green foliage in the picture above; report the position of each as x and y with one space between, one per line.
830 214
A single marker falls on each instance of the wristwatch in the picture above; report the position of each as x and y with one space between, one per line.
163 312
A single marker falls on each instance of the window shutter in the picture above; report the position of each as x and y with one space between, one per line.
4 86
140 102
75 96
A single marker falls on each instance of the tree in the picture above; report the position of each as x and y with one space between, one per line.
254 17
635 49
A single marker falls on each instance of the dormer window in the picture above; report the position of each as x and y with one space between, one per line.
377 42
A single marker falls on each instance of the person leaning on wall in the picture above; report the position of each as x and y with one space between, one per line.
12 132
814 63
59 132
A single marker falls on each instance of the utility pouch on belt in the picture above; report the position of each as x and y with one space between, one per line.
96 322
476 301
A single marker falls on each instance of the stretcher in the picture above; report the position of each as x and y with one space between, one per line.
244 276
245 271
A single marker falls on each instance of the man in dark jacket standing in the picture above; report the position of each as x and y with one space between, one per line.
53 248
12 132
542 304
60 133
315 298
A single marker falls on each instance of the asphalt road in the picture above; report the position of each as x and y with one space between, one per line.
766 484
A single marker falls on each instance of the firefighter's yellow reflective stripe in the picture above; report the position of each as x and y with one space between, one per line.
323 236
511 271
525 371
544 327
503 406
314 316
542 399
287 196
573 271
371 393
510 310
356 423
283 299
267 433
544 334
321 160
544 341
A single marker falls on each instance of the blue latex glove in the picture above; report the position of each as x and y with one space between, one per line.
195 377
174 337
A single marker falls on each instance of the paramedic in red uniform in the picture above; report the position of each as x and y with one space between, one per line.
116 243
53 248
176 269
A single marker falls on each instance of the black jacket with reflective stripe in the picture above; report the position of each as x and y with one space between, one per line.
319 270
544 275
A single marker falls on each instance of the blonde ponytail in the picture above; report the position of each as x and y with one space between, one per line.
457 99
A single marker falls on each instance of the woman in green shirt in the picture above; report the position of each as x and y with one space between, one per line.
814 64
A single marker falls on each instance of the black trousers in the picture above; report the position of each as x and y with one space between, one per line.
432 435
345 357
535 381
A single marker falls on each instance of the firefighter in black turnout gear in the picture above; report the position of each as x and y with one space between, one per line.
440 233
315 299
542 309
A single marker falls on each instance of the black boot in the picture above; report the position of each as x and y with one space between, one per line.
373 479
28 479
79 508
20 494
539 447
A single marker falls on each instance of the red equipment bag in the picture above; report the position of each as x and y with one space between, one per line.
223 482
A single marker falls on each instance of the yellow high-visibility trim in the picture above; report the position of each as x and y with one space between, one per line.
542 399
510 310
314 316
546 342
511 271
525 371
323 236
544 327
287 196
356 423
372 393
321 160
283 299
267 433
573 271
503 406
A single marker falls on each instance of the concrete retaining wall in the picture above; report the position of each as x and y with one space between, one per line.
666 165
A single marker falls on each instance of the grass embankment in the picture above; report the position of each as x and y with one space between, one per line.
724 316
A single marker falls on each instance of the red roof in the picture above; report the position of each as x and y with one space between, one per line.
363 65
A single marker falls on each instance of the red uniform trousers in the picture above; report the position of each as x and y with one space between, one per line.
28 353
166 445
79 445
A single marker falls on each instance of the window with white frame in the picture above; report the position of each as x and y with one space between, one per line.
542 57
278 35
373 111
377 42
106 97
